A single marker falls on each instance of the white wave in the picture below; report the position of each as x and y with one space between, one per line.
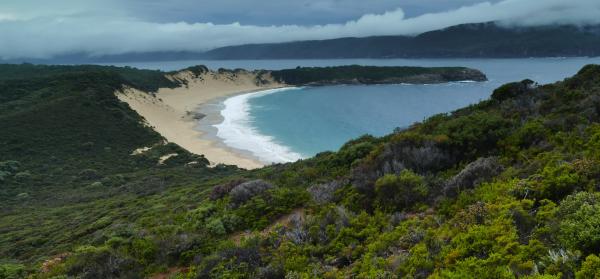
237 130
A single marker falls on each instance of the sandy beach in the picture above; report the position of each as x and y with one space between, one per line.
172 112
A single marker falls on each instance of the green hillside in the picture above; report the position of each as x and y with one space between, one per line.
507 188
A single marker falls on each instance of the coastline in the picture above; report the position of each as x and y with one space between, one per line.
234 128
183 115
174 112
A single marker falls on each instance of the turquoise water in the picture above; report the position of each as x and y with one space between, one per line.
315 119
287 124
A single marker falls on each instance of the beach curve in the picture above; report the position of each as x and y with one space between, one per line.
236 129
172 111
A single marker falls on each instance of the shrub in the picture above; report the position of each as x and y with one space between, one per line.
89 174
144 250
532 132
12 271
215 226
560 262
556 181
424 156
398 192
222 190
417 154
481 170
593 144
245 191
195 218
4 175
356 149
10 166
512 90
476 133
590 268
96 184
324 193
261 210
579 227
23 176
101 262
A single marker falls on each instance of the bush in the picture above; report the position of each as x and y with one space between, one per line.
406 151
259 211
590 268
101 262
398 192
245 191
10 166
556 181
96 184
12 271
475 134
215 226
531 133
222 190
481 170
89 174
323 193
512 90
355 149
579 226
4 175
23 176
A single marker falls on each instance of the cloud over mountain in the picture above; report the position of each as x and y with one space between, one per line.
43 35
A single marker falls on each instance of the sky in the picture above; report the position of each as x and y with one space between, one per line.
43 29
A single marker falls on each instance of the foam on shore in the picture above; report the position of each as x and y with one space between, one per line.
237 130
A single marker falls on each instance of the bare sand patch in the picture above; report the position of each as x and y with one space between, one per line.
172 111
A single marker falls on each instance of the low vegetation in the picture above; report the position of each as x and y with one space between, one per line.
507 188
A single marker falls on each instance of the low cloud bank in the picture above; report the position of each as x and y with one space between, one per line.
48 36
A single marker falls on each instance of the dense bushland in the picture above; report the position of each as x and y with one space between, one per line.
505 188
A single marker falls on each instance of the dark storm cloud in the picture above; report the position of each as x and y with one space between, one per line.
278 12
112 27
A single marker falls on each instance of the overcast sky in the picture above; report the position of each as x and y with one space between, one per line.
42 29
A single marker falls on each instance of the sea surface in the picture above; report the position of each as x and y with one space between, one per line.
288 124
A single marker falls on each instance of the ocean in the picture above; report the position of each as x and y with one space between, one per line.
288 124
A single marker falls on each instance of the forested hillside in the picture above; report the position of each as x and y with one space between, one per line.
473 40
460 41
505 188
355 74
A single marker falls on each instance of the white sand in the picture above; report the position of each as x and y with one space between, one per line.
168 111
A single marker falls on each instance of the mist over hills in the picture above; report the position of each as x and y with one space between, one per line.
477 40
481 40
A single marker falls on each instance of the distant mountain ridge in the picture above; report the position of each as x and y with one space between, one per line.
480 40
474 40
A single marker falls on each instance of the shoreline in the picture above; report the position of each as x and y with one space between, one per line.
212 117
234 127
173 112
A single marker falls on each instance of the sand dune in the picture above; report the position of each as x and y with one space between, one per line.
171 111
